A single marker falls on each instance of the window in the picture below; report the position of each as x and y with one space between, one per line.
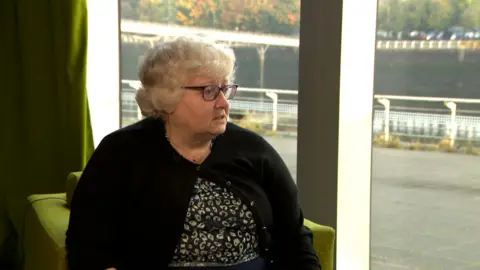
420 110
265 41
426 134
103 67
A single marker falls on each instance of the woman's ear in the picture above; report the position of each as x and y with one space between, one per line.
169 111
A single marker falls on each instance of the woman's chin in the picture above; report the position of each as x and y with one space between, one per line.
218 127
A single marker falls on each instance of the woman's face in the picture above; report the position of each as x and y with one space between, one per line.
197 115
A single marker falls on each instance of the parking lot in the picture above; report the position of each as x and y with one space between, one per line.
425 208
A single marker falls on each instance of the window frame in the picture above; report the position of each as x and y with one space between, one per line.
334 123
103 67
336 75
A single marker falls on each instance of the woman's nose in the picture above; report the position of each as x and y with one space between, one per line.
221 100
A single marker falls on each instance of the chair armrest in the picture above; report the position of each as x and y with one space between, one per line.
72 181
323 242
46 222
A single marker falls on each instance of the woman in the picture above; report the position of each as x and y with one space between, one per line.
183 188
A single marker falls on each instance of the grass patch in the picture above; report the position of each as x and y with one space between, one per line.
256 123
392 142
443 145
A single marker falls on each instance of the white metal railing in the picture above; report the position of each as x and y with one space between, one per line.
450 103
383 45
148 32
428 44
383 119
427 125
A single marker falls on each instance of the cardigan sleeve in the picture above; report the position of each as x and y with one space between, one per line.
93 230
293 242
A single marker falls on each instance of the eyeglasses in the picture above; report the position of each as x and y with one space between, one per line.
210 92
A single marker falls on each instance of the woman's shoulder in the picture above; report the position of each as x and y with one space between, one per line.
245 138
144 126
132 136
235 131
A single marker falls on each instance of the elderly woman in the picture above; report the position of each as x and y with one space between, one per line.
184 188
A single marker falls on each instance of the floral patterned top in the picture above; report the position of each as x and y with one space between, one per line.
219 229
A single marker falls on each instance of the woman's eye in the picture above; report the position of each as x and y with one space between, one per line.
209 90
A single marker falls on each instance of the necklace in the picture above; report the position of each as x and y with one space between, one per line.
194 159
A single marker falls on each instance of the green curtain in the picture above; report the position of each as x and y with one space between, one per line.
45 130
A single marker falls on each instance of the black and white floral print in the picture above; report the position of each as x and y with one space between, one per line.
219 229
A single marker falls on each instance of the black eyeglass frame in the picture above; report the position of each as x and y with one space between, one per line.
223 88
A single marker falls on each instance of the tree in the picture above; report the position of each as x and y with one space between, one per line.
128 9
268 16
439 17
390 16
199 13
414 14
286 14
458 9
428 15
162 11
470 17
283 16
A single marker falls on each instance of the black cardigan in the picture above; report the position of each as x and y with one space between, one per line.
129 206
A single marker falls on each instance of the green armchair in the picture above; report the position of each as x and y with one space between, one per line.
46 221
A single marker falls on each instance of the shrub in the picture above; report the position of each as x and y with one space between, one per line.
393 142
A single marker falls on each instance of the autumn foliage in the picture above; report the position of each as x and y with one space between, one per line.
428 15
267 16
283 16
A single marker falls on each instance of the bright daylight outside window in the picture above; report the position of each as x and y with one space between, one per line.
426 177
265 41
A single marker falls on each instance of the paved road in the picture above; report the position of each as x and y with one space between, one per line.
425 208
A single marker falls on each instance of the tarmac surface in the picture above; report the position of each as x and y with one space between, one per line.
425 208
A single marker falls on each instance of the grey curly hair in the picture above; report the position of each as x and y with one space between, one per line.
171 62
